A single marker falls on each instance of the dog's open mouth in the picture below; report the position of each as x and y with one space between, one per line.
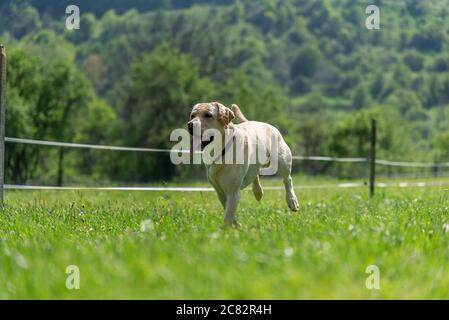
204 144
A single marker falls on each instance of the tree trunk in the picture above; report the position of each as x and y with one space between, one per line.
60 167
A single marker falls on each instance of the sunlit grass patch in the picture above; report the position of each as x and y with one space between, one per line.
173 245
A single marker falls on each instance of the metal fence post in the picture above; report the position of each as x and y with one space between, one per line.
372 158
2 118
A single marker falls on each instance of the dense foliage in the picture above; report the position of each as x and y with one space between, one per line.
133 70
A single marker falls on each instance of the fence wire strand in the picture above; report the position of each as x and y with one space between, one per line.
310 158
203 189
199 189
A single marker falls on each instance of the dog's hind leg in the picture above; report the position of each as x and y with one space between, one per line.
285 169
257 189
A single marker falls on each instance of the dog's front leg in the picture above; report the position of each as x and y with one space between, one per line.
222 198
232 202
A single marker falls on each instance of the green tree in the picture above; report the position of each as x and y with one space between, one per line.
304 67
19 18
23 88
64 96
414 60
98 125
86 31
441 147
157 96
351 135
431 38
258 102
361 98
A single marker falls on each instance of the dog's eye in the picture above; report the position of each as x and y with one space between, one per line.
192 116
208 115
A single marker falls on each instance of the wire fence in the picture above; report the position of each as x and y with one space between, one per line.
421 184
381 162
309 158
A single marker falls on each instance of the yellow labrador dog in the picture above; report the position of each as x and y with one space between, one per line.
257 141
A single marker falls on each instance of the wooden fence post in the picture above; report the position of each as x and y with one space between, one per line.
2 118
372 158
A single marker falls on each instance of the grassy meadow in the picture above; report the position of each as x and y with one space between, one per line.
156 245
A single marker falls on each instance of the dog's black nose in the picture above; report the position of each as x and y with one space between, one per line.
190 126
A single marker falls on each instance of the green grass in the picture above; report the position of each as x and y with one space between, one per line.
320 252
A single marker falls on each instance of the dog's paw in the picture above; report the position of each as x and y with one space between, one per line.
293 203
231 223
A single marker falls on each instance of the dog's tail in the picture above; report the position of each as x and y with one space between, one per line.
239 117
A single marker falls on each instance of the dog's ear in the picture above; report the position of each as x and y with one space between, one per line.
224 115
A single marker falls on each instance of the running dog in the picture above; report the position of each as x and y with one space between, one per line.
228 179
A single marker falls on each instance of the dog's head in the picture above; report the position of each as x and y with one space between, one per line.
212 115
